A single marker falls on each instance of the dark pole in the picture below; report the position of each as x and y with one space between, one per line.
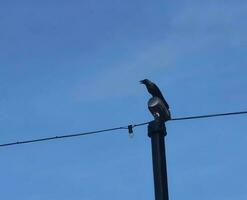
159 108
157 132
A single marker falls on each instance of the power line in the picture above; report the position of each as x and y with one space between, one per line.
209 116
61 136
129 127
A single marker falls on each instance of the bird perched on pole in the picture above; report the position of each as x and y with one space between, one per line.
154 91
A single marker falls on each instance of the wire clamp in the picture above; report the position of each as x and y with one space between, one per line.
130 129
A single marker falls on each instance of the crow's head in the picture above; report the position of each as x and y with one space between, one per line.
146 82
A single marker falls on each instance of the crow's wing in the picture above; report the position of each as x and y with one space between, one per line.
155 92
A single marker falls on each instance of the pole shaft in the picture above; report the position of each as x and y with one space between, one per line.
157 132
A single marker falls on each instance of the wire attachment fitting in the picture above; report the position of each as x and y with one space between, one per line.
130 129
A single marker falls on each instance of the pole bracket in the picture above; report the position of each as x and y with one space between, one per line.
156 126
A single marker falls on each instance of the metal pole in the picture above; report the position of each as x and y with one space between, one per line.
157 132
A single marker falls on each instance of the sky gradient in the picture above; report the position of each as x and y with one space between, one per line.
72 66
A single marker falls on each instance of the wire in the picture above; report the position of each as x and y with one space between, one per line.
118 128
141 124
61 137
209 116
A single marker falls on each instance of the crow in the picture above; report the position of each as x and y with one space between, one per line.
154 90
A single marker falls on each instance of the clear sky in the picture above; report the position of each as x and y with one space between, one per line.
72 66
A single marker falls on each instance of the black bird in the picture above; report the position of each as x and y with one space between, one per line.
154 90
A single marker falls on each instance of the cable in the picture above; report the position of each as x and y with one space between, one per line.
141 124
129 127
61 136
209 116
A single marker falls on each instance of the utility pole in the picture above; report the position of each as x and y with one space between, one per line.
159 108
157 132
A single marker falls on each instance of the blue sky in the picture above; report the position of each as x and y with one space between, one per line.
72 66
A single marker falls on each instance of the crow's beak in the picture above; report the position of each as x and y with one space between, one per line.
142 82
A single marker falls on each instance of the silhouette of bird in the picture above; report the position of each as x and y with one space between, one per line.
154 90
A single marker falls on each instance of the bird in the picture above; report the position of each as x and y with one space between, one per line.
154 91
